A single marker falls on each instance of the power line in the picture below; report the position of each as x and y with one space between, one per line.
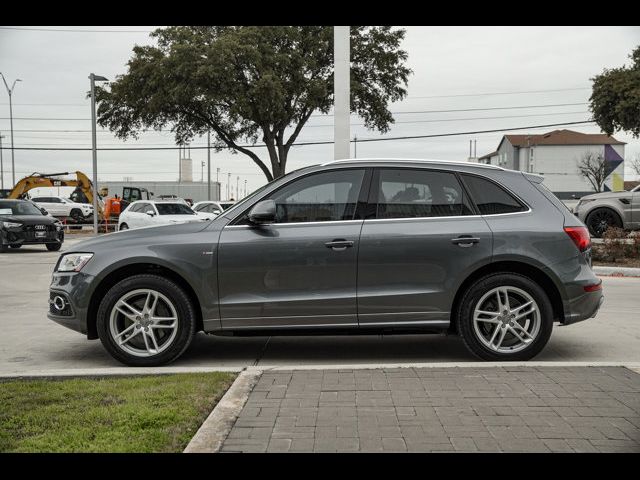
409 96
361 124
501 93
318 143
395 113
328 125
73 30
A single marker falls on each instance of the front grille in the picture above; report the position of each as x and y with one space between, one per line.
59 304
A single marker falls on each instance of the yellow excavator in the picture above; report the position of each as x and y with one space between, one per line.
83 192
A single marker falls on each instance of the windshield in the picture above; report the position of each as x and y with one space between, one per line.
173 209
19 208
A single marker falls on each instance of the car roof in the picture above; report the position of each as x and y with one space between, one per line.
359 161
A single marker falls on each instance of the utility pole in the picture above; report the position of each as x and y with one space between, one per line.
92 79
10 92
201 172
208 165
245 188
229 186
355 147
238 188
341 89
218 183
1 164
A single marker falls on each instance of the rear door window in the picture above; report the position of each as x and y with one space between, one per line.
490 198
416 193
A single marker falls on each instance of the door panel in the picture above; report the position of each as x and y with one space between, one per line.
423 238
407 269
301 270
284 275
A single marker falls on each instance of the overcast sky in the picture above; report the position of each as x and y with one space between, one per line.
454 68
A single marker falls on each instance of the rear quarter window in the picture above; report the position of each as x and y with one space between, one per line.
491 198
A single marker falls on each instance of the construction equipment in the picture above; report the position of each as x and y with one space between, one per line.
83 192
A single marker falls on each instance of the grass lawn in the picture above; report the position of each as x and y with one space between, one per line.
157 413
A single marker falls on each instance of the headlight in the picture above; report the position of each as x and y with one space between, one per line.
10 224
73 262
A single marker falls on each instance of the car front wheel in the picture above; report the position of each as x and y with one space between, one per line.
146 320
505 316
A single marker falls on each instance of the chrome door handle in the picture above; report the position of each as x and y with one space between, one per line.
339 244
465 241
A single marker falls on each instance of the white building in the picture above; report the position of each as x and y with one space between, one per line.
556 155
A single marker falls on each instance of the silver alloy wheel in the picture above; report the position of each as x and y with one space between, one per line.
506 319
143 322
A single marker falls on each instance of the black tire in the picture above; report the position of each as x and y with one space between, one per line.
185 313
4 248
467 305
124 226
600 219
76 214
15 247
54 247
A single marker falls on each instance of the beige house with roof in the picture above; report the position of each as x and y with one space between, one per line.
556 154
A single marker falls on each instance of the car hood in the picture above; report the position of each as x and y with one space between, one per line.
29 219
131 237
604 195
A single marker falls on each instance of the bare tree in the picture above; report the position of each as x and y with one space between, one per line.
635 163
593 167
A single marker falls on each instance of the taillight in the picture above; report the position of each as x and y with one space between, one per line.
580 236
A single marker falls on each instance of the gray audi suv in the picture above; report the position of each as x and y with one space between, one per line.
353 246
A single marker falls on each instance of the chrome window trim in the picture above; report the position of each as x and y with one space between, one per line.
400 219
328 222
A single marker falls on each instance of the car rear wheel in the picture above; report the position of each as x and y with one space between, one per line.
146 320
54 247
124 226
600 219
505 316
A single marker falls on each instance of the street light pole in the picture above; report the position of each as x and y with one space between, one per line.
10 92
209 166
1 164
92 79
218 183
228 186
237 188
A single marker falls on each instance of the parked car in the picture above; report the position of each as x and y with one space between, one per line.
210 206
63 207
173 198
153 213
23 223
600 211
354 246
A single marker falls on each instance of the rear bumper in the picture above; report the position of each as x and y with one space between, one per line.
583 307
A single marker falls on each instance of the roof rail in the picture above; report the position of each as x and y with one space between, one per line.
413 160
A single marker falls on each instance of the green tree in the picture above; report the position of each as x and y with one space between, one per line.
615 98
248 83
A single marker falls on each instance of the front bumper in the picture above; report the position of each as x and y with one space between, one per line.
27 235
74 289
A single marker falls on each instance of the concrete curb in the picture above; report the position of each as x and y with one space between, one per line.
616 271
213 432
506 365
108 371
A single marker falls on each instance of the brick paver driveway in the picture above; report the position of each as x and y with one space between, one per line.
504 409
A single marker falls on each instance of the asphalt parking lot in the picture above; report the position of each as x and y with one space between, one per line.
30 343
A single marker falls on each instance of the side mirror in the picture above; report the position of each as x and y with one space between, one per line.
44 212
263 212
216 212
151 213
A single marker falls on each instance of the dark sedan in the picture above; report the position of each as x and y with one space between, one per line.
22 223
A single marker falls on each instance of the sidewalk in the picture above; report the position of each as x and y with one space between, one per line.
496 409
